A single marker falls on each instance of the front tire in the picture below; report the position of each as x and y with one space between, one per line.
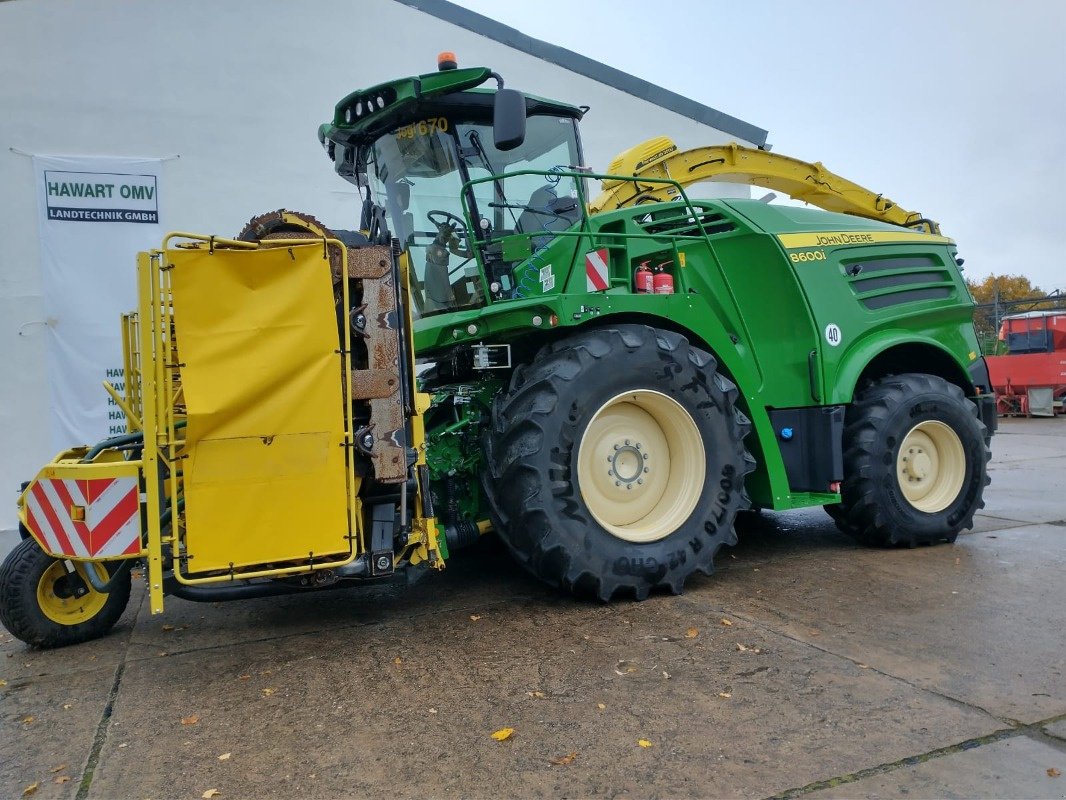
616 462
915 463
45 606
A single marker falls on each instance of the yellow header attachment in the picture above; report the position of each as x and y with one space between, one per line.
812 183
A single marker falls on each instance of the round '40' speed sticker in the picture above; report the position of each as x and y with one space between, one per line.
832 334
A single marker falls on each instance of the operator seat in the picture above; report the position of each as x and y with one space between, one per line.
546 211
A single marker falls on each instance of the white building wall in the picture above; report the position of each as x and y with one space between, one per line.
236 90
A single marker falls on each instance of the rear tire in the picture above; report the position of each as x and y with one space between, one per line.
616 463
38 603
915 463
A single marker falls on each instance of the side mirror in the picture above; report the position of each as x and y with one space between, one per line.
508 119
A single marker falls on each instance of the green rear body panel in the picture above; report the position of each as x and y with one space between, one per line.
793 303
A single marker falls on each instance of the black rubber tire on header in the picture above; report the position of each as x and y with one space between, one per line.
874 507
531 476
21 613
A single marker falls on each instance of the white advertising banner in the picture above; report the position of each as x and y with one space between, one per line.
96 213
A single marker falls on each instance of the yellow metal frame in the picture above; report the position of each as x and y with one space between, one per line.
131 363
162 415
153 402
422 544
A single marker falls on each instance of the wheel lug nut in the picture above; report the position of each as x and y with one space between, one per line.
638 445
629 486
640 480
646 470
618 447
627 442
617 483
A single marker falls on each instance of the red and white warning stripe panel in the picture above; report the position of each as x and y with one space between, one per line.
96 518
596 270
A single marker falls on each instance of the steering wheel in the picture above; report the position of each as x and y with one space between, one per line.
445 218
453 228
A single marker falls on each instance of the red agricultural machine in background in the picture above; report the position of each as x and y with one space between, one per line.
1031 379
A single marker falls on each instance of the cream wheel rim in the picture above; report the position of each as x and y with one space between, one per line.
641 466
931 466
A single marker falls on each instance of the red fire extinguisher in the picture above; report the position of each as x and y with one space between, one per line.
663 281
644 279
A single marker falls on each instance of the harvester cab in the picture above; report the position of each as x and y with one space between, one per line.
431 153
605 381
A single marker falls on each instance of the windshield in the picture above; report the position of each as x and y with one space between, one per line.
416 173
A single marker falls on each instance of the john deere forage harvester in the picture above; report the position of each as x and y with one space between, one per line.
604 381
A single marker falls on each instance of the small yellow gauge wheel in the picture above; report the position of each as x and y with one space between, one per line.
47 602
61 602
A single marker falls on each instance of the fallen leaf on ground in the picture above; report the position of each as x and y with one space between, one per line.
433 711
475 617
863 666
692 633
60 768
268 691
67 706
741 647
210 793
61 779
600 706
625 667
243 677
666 674
168 628
124 744
536 694
192 719
726 622
503 734
30 789
1053 773
224 756
3 682
644 743
562 761
724 694
28 720
398 661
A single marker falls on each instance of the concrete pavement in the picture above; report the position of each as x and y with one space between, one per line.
806 666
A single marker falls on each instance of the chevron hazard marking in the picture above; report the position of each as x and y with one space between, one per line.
596 270
108 523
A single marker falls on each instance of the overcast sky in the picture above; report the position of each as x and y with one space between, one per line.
954 108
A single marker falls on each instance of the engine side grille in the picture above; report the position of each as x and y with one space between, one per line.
886 282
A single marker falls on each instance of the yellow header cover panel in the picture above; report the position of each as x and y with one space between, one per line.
256 334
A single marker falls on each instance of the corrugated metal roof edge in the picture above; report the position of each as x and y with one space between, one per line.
583 65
